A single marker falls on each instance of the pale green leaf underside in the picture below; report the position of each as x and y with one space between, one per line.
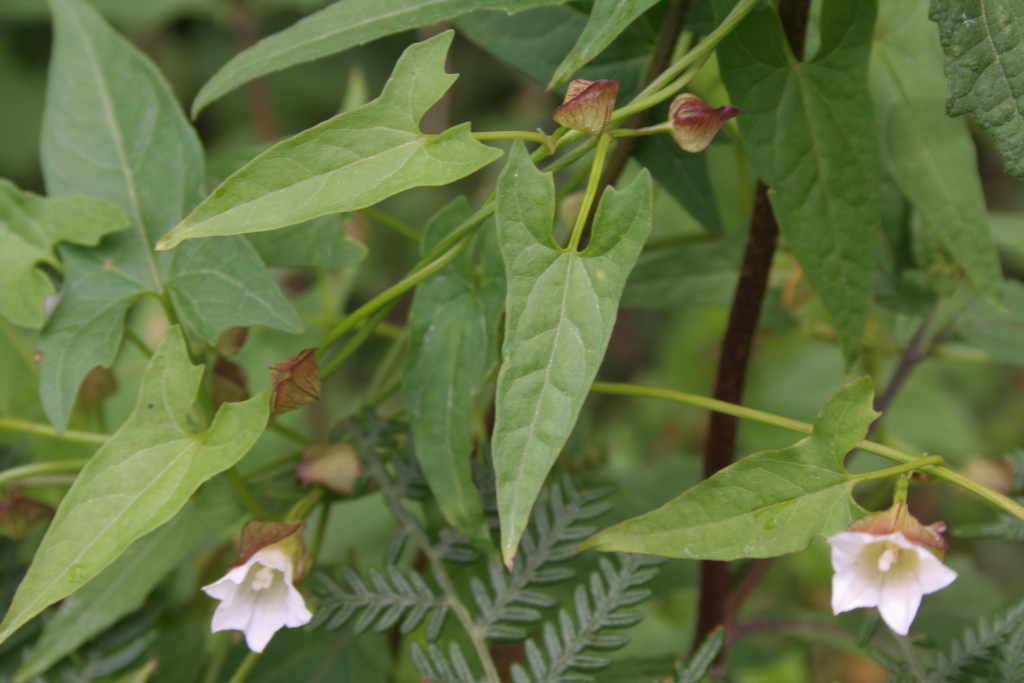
768 504
122 587
112 128
983 42
136 481
338 27
930 156
452 347
30 228
349 162
321 242
608 19
810 130
560 309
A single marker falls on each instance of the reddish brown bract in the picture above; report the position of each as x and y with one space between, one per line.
694 123
588 105
296 383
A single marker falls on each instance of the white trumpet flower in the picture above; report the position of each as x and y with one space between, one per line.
887 571
258 596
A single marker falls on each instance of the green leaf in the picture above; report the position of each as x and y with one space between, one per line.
30 228
608 19
930 156
560 309
697 273
338 27
349 162
684 175
113 129
137 481
535 42
999 333
453 344
122 587
321 242
810 130
324 657
984 56
768 504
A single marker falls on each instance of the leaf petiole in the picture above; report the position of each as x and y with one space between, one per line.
592 186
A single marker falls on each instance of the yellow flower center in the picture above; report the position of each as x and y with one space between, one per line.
889 557
262 579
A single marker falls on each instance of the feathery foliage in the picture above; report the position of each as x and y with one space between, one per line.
598 609
978 650
696 669
436 667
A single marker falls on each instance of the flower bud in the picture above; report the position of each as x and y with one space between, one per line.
228 384
885 561
694 123
335 466
258 594
588 105
18 514
296 382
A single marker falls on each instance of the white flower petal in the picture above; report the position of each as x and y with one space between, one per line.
298 614
235 614
268 616
901 593
853 588
846 548
932 574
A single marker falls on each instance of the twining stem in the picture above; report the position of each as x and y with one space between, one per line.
246 498
391 222
542 138
288 432
243 670
940 472
593 183
305 505
37 468
12 424
356 341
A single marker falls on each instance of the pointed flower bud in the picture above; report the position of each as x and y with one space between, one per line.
19 513
588 105
885 561
335 466
228 383
296 383
694 123
258 595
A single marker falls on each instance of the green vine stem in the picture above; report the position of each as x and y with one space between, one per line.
243 670
289 433
11 424
939 471
38 468
391 222
246 498
542 138
592 185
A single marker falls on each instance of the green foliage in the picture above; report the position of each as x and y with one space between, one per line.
113 129
137 481
394 595
810 130
608 19
453 345
30 229
767 504
349 162
696 669
123 586
337 28
929 156
602 607
560 309
981 40
976 652
684 176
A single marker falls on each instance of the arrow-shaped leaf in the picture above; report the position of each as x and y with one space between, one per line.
112 128
30 229
560 309
349 162
770 503
137 481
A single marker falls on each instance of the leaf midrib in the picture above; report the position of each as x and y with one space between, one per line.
115 132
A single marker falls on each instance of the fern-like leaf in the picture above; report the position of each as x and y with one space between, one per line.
977 651
436 667
553 535
696 669
1011 662
392 597
610 590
